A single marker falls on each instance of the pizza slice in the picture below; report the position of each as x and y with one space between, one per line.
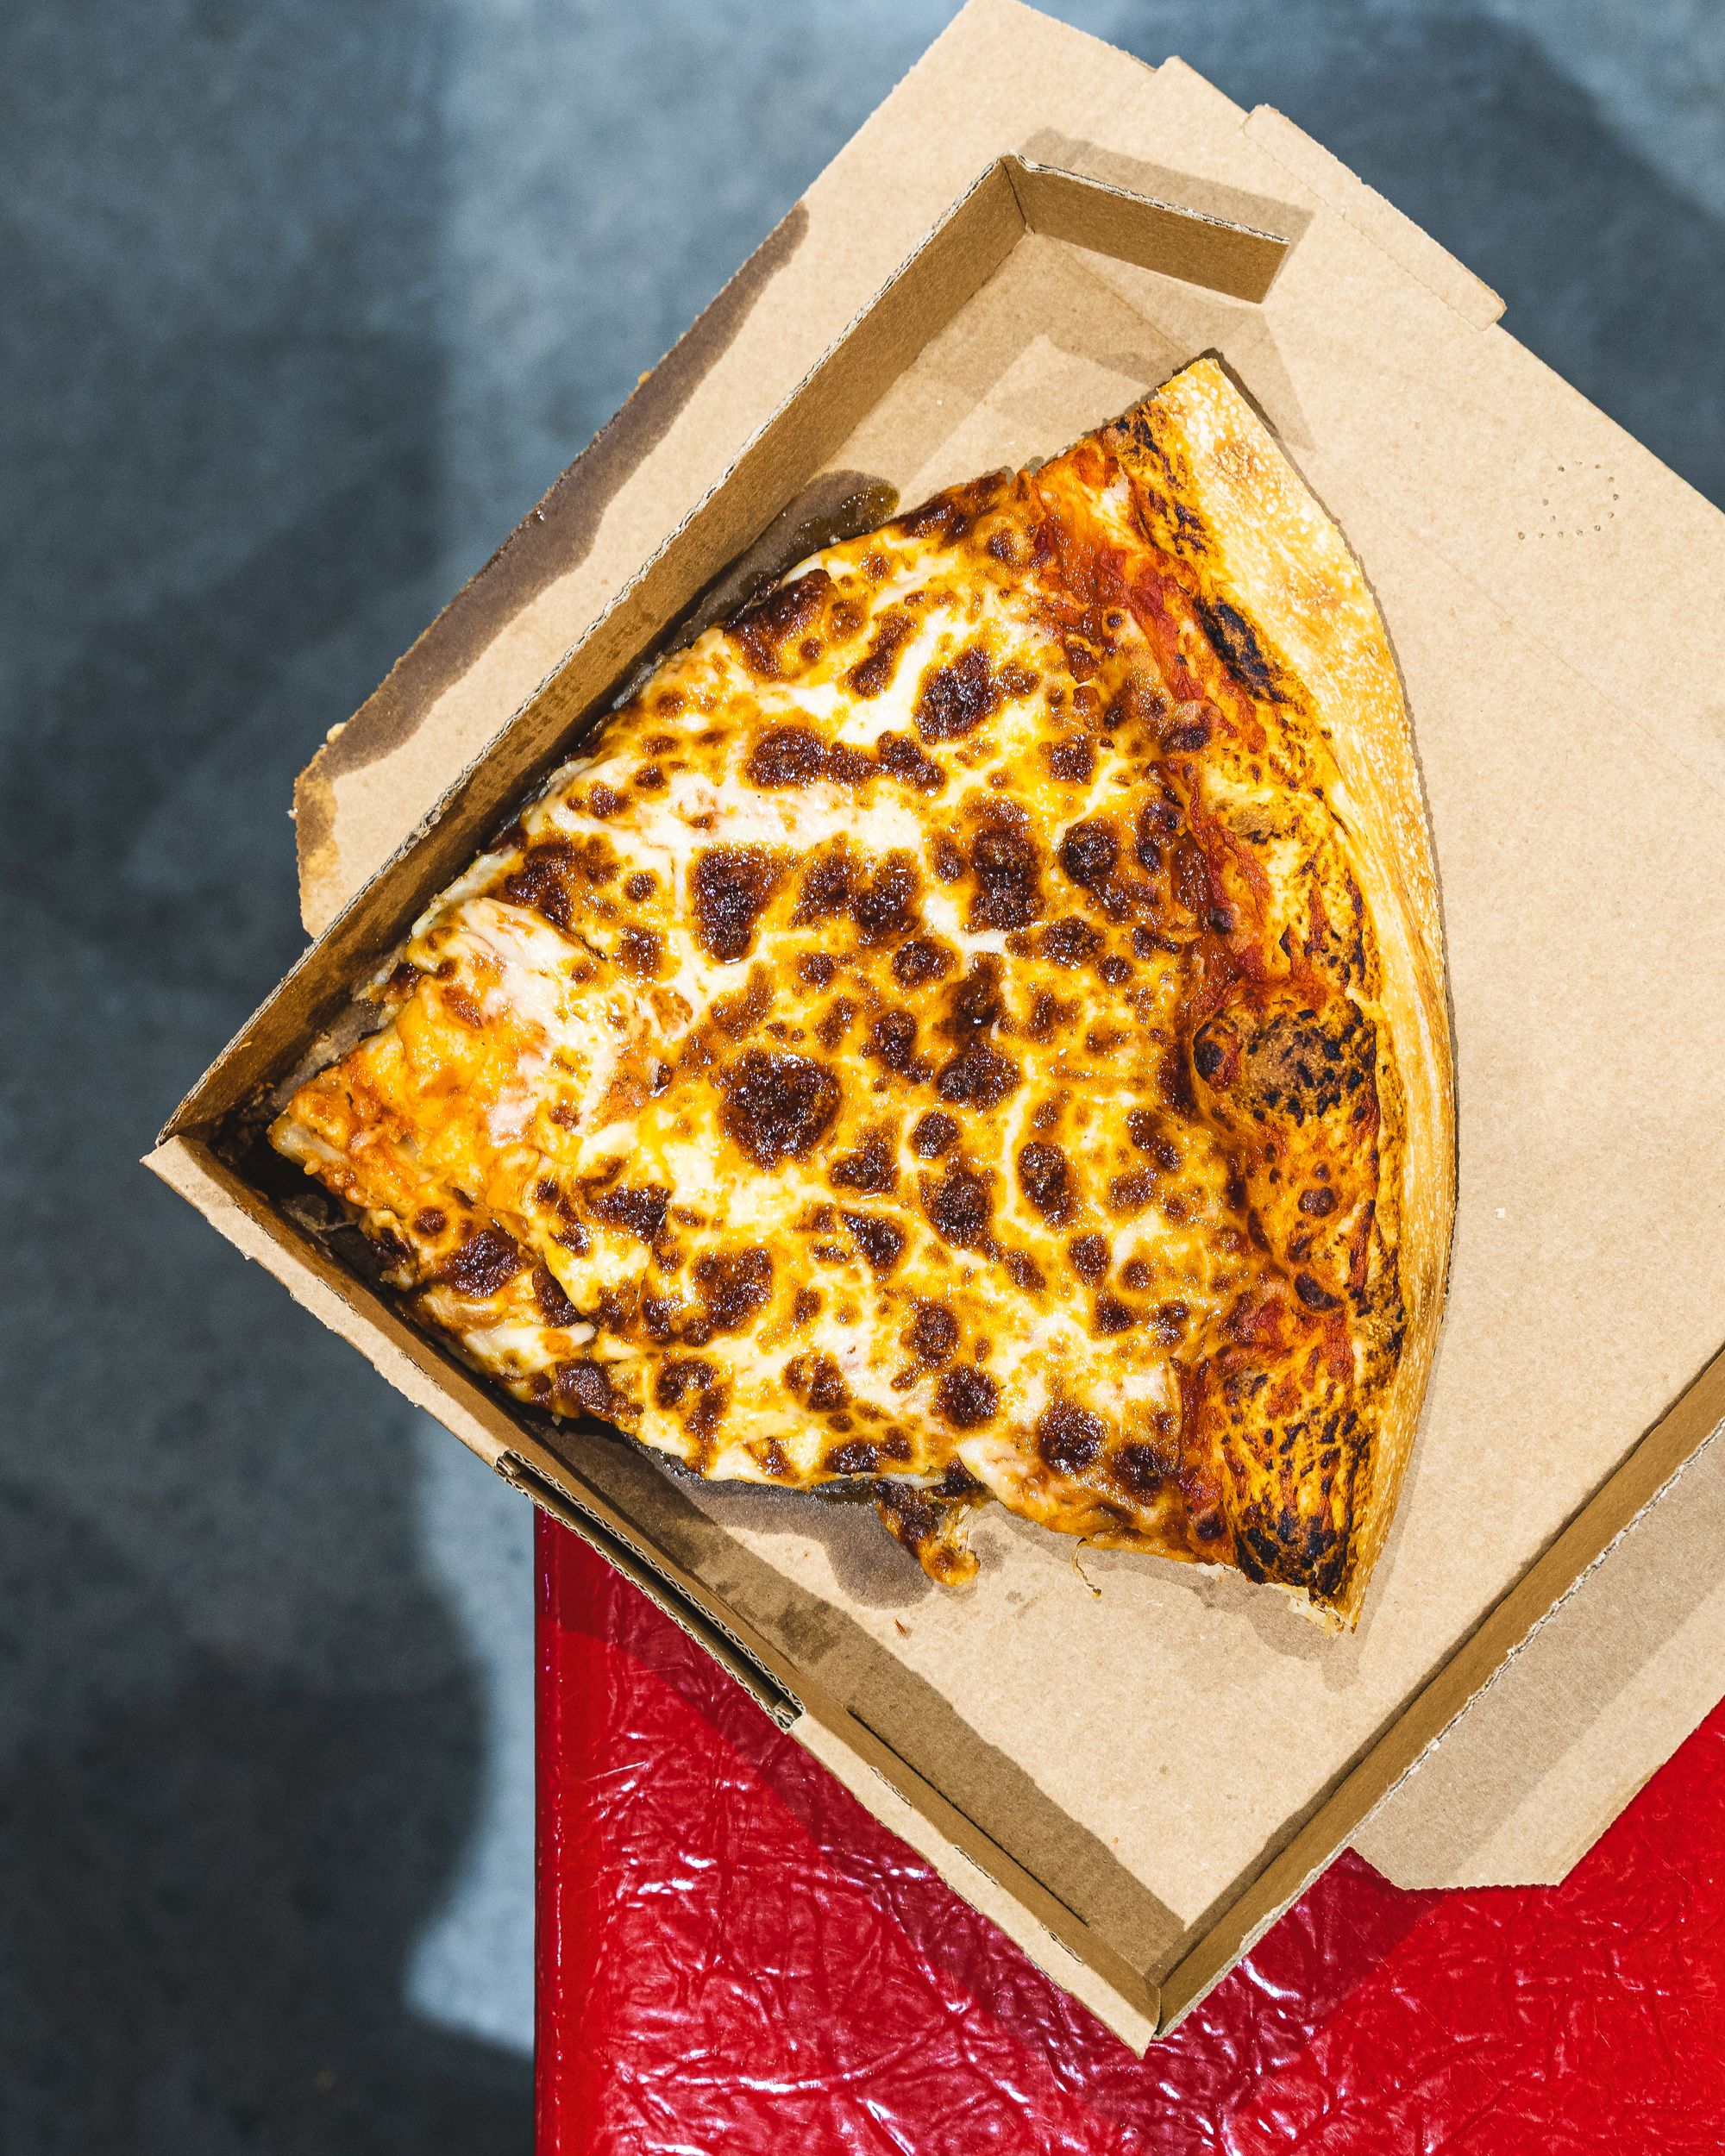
971 1024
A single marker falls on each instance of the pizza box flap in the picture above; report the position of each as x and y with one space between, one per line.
1630 1663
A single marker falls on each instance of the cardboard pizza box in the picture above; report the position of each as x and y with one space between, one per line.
1133 1767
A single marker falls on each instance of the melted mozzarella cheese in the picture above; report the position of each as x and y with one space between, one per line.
816 1080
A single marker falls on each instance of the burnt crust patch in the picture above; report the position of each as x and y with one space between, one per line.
1237 646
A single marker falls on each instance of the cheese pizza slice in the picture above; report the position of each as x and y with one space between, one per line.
972 1025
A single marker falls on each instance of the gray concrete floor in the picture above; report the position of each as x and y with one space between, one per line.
302 304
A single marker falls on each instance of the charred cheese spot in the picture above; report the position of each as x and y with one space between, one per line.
959 1207
955 697
484 1262
1008 868
979 1076
872 674
768 629
680 1375
732 887
1068 942
584 1387
885 903
787 755
640 1211
920 960
778 1107
881 1242
933 1134
1090 1255
1073 761
1089 852
933 1334
818 1383
872 1168
966 1398
1069 1437
733 1286
641 951
554 1305
900 757
932 1528
1045 1176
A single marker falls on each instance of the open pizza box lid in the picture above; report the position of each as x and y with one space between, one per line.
1131 1766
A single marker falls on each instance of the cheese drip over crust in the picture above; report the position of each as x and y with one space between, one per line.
930 1037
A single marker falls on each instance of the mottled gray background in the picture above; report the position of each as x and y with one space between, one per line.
303 304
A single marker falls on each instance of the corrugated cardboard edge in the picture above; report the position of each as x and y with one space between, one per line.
1446 1823
1571 1557
1368 212
963 1855
886 1785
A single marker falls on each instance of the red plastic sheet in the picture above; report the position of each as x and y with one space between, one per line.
734 1957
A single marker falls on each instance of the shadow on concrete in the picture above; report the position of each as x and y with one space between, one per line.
242 1737
1610 273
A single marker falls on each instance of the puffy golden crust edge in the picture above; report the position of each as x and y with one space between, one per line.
1265 544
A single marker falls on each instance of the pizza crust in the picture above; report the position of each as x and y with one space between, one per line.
1270 551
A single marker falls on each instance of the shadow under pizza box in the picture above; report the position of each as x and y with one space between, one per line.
1134 1766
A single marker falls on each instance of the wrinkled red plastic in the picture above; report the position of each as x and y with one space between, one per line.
735 1957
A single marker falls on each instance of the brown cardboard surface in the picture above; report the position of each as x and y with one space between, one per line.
1148 1762
1603 1693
